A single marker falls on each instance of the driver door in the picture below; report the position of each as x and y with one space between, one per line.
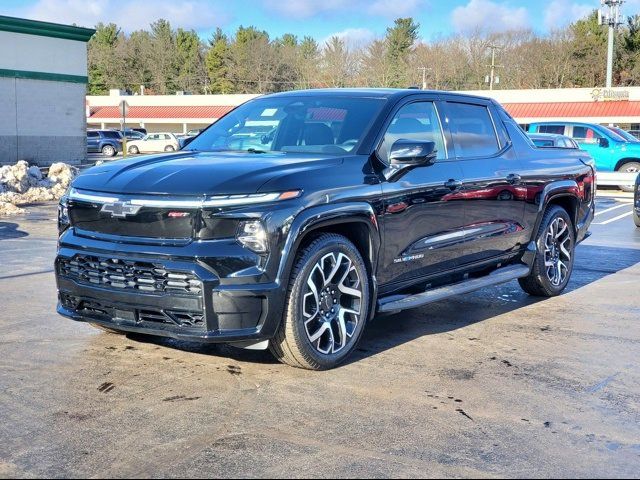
423 217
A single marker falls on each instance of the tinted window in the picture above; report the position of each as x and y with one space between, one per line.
586 135
111 134
415 121
543 143
472 130
557 129
92 135
306 124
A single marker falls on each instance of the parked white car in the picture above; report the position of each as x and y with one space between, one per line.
154 142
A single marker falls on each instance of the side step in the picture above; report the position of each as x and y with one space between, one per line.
502 275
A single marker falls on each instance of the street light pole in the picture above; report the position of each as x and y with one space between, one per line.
493 79
609 14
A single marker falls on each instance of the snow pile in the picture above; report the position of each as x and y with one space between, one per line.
21 184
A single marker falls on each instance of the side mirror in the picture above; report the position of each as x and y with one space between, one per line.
412 152
603 142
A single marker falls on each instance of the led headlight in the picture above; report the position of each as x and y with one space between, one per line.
252 235
63 214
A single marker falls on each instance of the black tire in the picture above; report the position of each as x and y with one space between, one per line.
169 148
293 344
629 167
133 150
109 151
539 282
636 219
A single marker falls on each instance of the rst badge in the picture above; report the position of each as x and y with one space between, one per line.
121 209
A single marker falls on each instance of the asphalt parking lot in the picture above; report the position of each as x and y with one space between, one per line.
493 383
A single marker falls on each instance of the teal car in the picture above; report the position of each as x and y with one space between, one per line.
611 152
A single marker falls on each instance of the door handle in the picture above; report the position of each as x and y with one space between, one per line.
514 178
453 184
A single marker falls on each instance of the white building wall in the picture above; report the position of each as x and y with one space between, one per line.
34 53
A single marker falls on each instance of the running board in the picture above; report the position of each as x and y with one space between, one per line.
502 275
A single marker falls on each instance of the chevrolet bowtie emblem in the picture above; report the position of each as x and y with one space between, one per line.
121 209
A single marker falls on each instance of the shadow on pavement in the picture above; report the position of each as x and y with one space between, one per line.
387 332
10 231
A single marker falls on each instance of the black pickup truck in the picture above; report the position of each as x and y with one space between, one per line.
293 220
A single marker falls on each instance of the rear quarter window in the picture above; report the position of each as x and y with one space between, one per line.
473 130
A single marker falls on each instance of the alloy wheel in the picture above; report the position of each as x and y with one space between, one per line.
332 303
557 251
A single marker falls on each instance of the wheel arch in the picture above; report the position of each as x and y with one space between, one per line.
625 160
355 221
565 194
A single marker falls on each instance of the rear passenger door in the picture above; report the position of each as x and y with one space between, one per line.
493 198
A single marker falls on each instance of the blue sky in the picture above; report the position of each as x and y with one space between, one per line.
356 20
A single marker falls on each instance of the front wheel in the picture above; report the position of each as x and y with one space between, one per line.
133 150
636 219
553 264
327 305
169 148
631 167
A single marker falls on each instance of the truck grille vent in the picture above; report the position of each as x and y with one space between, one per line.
129 275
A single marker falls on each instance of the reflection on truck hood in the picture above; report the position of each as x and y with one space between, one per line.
199 173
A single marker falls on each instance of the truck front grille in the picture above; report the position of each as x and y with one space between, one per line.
120 274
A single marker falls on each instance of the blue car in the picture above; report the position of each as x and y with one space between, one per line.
107 142
611 152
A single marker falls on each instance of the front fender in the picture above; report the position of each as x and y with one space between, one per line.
321 216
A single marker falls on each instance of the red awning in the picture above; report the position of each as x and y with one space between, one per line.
574 109
206 112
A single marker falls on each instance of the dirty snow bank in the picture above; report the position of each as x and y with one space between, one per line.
21 184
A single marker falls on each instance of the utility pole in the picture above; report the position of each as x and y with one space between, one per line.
424 77
609 14
492 79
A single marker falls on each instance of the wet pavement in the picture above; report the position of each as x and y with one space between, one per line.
493 383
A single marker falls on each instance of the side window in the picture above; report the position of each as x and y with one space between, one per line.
556 129
585 135
472 129
92 135
167 137
415 121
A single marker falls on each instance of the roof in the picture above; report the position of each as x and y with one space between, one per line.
45 29
573 109
545 135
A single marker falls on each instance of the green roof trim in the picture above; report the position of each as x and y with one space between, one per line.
50 77
45 29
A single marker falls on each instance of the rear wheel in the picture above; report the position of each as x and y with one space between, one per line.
327 305
630 167
553 264
109 151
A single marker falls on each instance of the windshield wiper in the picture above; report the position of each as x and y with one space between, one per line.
255 150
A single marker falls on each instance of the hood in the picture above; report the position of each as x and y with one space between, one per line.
199 173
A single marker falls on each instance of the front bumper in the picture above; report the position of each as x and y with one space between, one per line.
213 313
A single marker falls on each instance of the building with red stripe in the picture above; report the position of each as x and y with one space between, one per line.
181 113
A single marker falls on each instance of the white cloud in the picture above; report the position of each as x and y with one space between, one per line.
489 16
353 37
128 14
560 13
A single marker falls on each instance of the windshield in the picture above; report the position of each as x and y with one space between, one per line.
624 134
305 124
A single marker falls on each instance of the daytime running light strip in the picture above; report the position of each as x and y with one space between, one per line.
217 201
